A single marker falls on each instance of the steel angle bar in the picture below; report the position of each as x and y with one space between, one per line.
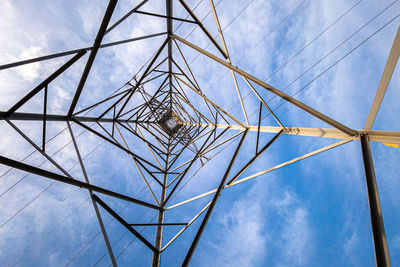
109 134
259 124
263 102
184 228
44 83
101 102
54 176
149 172
374 136
92 56
163 16
384 82
156 224
123 222
248 164
44 119
213 202
223 142
140 171
125 17
24 116
115 144
49 158
221 35
98 215
204 29
161 147
71 52
147 144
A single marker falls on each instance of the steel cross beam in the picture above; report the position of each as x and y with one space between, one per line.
23 116
375 136
72 52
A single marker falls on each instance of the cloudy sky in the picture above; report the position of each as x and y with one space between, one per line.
329 54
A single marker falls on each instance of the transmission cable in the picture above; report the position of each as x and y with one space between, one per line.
63 220
298 52
343 57
44 190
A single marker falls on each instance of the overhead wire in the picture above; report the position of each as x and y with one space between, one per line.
44 190
62 221
340 59
337 47
76 255
299 51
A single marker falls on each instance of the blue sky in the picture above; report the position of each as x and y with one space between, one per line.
311 213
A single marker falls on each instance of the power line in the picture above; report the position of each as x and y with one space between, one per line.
343 57
63 220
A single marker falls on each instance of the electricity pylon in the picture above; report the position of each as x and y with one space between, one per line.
170 121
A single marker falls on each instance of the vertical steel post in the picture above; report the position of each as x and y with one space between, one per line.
378 229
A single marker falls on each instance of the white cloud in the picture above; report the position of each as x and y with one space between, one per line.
31 71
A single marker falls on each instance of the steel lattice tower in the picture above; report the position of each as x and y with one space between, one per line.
176 131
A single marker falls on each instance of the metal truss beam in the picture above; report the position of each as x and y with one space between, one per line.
384 82
92 56
375 136
46 82
60 178
123 222
98 215
72 52
23 116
